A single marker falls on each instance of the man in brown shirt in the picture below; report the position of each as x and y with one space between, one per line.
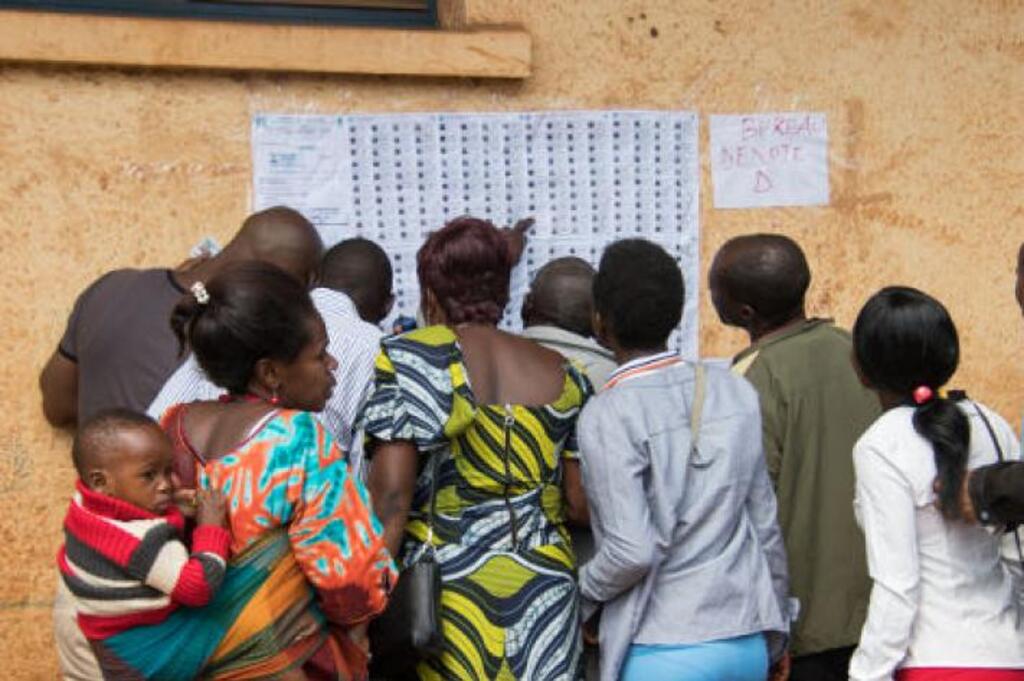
118 348
813 411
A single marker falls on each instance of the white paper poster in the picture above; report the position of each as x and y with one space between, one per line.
776 159
588 178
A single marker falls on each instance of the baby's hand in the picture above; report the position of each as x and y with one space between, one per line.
212 508
185 500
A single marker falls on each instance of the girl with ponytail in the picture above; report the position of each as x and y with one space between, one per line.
941 605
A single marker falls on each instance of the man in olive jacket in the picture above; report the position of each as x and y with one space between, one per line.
813 411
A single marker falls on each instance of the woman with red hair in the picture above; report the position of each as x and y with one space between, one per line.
490 418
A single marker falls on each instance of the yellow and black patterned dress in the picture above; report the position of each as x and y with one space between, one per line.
508 611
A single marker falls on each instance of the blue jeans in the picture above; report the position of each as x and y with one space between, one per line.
733 659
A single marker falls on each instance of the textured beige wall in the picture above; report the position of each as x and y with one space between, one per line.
106 168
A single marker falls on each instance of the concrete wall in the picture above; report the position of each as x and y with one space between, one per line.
103 168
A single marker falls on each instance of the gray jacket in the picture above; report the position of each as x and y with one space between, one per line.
597 361
688 550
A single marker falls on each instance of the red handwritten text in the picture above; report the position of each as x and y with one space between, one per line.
778 127
752 156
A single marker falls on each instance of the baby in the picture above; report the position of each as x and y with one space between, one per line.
123 559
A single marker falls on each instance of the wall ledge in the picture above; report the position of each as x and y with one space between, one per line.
52 37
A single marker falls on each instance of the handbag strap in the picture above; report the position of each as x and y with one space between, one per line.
428 543
991 431
510 418
999 455
696 412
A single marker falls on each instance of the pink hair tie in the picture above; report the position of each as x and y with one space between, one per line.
922 394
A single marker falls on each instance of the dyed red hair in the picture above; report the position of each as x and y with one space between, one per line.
467 266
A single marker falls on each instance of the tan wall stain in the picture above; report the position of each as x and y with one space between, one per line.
102 168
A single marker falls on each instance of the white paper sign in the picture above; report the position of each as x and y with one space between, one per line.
587 177
777 159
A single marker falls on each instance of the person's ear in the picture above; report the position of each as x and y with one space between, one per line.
746 314
527 311
98 480
432 309
266 375
601 330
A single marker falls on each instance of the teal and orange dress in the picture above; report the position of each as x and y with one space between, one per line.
509 610
308 561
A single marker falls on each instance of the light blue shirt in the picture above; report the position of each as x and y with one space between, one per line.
688 550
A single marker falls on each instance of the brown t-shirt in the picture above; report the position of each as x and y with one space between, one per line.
120 336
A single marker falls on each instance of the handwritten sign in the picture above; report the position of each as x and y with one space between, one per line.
777 159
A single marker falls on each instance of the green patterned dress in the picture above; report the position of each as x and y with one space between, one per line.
508 612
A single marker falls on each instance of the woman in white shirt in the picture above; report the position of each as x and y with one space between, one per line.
942 604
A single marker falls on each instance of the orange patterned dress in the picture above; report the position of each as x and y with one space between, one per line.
308 557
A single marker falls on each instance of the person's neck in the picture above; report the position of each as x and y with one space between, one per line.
536 319
204 271
551 324
470 325
761 330
889 400
623 356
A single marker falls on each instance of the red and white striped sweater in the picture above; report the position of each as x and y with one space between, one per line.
126 567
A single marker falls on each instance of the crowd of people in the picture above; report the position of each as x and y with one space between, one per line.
258 463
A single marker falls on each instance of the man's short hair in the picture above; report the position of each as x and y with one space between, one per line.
768 272
638 291
360 269
99 433
562 295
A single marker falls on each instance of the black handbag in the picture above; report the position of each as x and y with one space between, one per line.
999 454
409 630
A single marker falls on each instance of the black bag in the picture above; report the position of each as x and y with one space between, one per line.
410 628
954 394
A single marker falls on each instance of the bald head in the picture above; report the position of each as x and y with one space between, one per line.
760 276
561 295
282 237
360 269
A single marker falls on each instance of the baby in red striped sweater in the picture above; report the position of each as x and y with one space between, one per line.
123 558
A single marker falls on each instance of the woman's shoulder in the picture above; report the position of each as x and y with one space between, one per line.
294 418
893 429
977 411
992 437
428 353
891 446
428 336
289 427
577 388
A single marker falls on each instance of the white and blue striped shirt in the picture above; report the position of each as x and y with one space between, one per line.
353 342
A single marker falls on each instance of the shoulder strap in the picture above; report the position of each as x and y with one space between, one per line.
991 431
432 507
696 412
999 454
185 457
427 547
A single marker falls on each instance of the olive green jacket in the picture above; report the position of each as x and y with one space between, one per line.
814 409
